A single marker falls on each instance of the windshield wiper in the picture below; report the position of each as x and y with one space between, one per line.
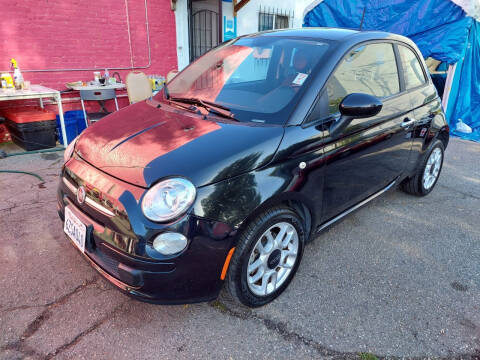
208 105
216 105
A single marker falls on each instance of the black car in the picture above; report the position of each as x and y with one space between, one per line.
249 153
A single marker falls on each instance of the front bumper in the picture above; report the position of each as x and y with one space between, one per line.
119 237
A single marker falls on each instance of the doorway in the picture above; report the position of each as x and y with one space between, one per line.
205 26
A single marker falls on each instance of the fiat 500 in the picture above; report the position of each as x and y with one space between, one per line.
246 155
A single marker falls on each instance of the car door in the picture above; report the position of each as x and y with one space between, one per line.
370 153
423 98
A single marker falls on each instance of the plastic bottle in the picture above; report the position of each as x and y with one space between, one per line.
17 75
106 76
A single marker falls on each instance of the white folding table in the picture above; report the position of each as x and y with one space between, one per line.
37 92
116 86
96 86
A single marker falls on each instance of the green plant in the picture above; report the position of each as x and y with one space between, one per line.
367 356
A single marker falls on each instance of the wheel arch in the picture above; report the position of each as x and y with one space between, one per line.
439 129
294 201
444 136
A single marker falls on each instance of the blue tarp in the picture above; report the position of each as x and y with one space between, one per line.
441 30
464 101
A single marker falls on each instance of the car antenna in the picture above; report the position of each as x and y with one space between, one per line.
363 17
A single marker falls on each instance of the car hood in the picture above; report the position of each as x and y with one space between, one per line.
142 143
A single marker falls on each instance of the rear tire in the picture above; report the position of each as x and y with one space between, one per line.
427 173
267 256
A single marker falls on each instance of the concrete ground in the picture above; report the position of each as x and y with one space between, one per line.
398 278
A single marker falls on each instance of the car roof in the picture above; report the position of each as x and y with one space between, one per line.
332 34
316 33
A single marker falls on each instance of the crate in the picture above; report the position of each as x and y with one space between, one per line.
32 128
74 125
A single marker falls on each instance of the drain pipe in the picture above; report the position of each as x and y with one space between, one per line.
106 67
129 36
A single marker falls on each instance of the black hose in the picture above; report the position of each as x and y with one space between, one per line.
23 172
3 154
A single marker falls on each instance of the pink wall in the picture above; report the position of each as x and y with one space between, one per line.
52 34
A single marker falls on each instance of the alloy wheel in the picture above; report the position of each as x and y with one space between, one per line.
272 258
432 168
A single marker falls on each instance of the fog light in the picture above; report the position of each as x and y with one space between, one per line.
169 243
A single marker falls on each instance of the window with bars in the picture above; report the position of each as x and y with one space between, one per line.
281 22
265 21
269 19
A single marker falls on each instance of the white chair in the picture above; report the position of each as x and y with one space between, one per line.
139 87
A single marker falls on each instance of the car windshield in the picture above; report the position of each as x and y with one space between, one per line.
258 79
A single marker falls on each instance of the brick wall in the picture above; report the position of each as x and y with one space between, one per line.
51 34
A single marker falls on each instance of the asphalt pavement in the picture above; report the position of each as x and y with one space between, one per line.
399 278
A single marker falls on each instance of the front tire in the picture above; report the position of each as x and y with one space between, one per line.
267 256
427 174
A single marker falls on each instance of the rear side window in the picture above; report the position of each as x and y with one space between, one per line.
414 75
369 69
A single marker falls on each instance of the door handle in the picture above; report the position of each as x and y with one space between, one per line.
407 123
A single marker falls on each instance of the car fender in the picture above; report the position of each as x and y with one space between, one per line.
237 200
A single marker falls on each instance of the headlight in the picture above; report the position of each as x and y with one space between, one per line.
69 150
168 199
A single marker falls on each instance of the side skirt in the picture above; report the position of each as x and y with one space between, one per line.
355 207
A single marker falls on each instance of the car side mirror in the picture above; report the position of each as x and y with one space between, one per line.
355 106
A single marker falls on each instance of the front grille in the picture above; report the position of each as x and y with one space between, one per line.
88 200
106 214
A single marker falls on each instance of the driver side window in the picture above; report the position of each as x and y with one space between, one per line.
369 69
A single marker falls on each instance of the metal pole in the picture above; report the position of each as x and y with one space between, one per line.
84 112
448 85
220 21
62 120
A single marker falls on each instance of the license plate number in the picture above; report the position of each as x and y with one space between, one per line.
75 229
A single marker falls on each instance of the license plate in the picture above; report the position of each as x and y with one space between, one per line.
75 229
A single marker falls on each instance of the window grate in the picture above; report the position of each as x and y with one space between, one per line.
274 18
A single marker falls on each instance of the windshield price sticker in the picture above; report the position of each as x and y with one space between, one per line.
300 79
